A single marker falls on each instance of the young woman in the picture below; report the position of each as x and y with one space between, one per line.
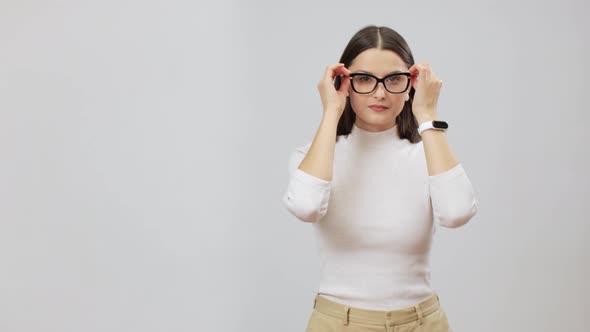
376 181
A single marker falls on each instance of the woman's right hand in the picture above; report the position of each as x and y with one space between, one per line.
334 100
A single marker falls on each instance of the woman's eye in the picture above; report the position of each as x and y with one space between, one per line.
364 78
394 79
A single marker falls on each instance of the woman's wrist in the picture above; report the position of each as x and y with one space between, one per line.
426 117
331 114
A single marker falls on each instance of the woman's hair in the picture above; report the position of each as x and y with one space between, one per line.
382 38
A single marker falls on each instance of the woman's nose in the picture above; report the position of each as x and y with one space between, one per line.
380 91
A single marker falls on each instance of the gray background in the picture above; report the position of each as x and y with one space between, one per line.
144 149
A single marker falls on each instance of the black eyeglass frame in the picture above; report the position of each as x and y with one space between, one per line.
380 80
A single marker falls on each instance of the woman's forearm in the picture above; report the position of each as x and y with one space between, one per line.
439 155
319 160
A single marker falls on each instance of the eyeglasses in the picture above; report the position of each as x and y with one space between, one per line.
366 83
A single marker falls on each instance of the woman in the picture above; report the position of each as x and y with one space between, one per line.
376 182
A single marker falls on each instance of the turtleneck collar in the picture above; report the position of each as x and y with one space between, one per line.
366 137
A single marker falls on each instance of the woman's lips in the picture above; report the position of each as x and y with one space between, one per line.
378 108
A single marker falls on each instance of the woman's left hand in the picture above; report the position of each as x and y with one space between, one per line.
427 87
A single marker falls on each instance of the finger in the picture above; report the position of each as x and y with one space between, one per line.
342 71
330 68
416 70
330 73
429 75
423 72
345 83
344 75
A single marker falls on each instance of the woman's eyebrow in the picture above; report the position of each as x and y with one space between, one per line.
393 72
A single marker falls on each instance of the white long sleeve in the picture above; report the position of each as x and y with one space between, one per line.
453 199
376 219
307 196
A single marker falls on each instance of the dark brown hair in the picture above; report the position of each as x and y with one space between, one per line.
383 38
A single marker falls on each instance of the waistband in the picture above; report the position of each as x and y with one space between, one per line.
377 317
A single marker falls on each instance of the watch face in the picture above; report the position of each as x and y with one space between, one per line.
440 124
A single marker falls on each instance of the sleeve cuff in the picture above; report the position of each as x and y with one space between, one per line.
447 175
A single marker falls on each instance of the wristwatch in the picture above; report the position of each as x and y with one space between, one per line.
438 125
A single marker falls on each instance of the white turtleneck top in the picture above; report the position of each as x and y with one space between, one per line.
374 221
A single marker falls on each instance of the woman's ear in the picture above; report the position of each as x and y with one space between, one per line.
407 96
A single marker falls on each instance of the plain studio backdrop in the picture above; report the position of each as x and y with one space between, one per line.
144 149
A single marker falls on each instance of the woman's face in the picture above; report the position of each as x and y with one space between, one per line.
379 63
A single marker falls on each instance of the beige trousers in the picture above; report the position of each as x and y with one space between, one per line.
329 316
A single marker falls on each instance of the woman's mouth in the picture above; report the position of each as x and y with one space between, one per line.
378 108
